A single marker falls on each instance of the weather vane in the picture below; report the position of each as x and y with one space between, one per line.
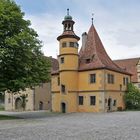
92 17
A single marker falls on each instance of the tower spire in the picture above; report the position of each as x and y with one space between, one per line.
92 18
68 11
68 27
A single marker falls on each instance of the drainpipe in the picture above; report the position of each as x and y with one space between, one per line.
34 99
12 102
104 89
50 104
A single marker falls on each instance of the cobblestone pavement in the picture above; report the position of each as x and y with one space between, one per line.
74 126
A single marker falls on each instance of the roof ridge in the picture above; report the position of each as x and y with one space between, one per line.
96 43
127 58
104 50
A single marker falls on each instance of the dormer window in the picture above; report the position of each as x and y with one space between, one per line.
87 61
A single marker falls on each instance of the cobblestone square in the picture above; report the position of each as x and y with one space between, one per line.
74 126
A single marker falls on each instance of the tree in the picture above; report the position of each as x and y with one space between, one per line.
23 101
1 98
22 64
132 97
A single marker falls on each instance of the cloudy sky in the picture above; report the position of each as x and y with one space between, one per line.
116 21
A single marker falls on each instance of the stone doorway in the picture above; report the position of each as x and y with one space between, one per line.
40 105
109 104
18 104
63 107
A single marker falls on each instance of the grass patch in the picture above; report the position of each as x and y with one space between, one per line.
5 117
1 108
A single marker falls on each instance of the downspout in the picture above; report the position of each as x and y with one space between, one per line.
50 106
34 99
104 90
12 103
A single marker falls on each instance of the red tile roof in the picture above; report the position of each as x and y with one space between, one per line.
94 50
54 64
129 65
66 34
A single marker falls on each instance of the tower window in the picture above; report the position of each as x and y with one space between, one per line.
76 45
63 90
92 100
71 44
81 100
65 26
69 27
92 78
120 86
62 60
64 44
58 81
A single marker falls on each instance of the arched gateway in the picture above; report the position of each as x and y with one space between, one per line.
18 104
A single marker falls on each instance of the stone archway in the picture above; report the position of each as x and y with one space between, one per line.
18 104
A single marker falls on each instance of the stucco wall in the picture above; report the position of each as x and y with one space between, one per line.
10 99
43 94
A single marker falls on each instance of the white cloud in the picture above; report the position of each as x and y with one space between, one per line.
120 40
48 29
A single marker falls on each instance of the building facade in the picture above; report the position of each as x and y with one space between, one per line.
132 65
38 98
86 81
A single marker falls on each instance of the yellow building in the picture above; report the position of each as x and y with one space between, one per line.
88 81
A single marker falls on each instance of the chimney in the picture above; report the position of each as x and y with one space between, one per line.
84 39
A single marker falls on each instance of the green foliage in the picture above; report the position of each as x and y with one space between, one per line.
1 97
22 63
132 97
23 101
1 108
